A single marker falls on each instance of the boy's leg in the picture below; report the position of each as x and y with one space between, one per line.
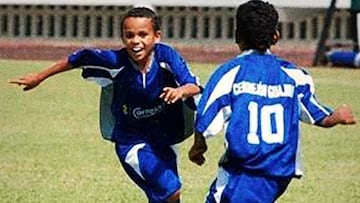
243 188
153 169
174 198
217 187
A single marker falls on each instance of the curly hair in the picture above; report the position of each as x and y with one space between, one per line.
139 12
256 25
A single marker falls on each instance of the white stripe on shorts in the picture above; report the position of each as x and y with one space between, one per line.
221 181
133 160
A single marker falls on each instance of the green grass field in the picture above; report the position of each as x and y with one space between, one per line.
51 149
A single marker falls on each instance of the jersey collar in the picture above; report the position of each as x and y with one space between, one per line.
253 51
147 68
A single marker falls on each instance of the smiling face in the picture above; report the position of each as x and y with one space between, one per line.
139 37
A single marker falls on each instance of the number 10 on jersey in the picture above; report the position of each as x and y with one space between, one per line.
271 123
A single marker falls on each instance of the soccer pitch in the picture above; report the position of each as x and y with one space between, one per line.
51 149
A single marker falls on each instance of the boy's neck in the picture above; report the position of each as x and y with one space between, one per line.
143 68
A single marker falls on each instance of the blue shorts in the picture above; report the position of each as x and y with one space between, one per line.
153 169
238 187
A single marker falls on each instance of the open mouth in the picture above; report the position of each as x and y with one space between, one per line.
136 50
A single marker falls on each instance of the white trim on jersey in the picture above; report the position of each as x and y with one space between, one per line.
102 81
315 102
167 67
113 72
299 166
305 115
225 83
300 77
304 79
217 124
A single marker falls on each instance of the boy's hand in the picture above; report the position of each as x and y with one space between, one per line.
345 115
342 115
171 95
196 153
32 80
29 81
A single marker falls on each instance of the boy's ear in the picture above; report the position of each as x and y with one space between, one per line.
158 36
276 37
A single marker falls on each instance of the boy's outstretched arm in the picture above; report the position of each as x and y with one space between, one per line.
171 95
342 115
31 80
199 147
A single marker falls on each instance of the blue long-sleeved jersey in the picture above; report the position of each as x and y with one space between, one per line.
131 110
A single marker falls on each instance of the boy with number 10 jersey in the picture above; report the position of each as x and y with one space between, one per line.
260 99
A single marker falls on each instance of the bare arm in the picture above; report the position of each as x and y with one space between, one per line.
171 95
32 80
342 115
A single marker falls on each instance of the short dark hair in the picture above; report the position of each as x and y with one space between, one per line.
141 12
256 24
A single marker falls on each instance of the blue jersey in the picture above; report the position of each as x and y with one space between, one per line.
259 99
132 110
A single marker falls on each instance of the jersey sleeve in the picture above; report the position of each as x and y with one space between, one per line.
214 106
97 65
311 110
175 63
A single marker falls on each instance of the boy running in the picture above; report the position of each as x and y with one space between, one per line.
144 85
260 99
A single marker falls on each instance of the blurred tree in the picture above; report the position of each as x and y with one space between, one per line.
354 13
321 48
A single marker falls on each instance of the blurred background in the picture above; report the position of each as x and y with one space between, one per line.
203 30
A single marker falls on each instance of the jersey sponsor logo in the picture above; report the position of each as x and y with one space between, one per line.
140 113
260 89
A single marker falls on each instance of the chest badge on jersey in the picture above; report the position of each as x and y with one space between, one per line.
125 109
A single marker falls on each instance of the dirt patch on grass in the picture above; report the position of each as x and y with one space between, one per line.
54 50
